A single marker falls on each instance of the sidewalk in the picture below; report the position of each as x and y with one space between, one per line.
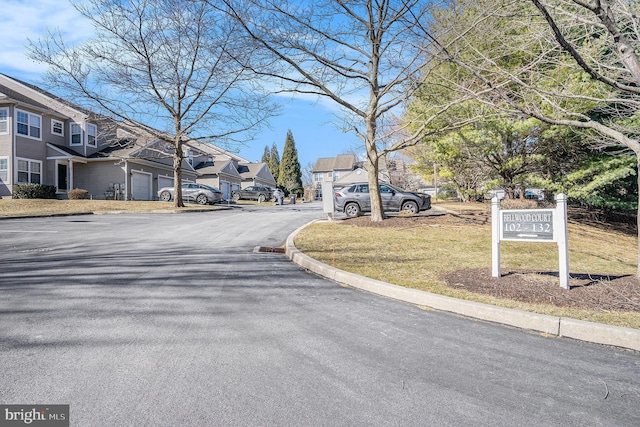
550 325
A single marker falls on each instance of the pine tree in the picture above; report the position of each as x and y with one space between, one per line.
266 155
274 162
290 176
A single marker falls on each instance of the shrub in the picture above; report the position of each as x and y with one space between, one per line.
77 194
518 204
34 191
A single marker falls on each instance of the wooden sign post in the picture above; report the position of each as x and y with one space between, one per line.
531 225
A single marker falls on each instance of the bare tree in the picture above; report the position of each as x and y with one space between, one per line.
564 62
367 56
174 69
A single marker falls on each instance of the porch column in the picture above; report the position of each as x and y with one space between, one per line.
126 181
70 185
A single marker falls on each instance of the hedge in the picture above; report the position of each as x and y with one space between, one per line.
34 191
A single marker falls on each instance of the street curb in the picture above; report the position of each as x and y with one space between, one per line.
551 325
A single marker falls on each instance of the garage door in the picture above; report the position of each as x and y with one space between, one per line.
225 187
140 185
164 181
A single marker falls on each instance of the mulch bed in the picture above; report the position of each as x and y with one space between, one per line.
598 293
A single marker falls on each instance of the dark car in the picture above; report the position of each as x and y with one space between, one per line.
254 192
354 199
192 192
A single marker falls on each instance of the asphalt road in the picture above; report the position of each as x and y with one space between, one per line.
173 320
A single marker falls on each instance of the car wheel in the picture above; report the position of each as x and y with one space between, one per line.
165 196
411 207
261 198
202 199
352 210
235 196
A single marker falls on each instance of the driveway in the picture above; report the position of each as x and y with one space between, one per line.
174 320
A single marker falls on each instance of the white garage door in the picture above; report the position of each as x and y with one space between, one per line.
164 181
140 185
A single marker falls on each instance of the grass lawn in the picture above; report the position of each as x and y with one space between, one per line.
418 256
26 207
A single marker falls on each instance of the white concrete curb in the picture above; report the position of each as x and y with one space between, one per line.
552 325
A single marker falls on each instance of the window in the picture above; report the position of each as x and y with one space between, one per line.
29 171
329 176
76 134
4 169
362 188
92 132
57 127
28 124
4 120
317 177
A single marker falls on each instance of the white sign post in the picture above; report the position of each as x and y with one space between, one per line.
531 225
328 203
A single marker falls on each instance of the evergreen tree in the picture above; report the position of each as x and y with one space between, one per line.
266 155
274 162
290 176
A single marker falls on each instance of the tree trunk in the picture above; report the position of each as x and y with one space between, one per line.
638 213
177 174
377 213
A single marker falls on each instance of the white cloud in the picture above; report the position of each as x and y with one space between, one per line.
23 20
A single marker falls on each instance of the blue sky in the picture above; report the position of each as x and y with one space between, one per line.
313 122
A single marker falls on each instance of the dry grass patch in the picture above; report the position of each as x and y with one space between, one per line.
28 207
419 252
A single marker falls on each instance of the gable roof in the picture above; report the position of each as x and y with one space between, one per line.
249 170
209 148
359 174
252 171
216 168
8 95
330 164
48 102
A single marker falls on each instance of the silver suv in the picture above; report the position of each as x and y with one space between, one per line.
354 199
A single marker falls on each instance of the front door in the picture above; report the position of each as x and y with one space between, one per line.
62 178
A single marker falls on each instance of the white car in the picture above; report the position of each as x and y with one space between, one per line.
192 192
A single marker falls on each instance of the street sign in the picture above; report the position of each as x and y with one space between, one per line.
527 225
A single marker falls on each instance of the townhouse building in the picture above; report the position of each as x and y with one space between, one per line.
47 140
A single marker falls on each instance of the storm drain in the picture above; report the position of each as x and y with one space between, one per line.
268 249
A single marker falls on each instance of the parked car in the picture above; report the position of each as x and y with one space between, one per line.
192 192
254 192
355 200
